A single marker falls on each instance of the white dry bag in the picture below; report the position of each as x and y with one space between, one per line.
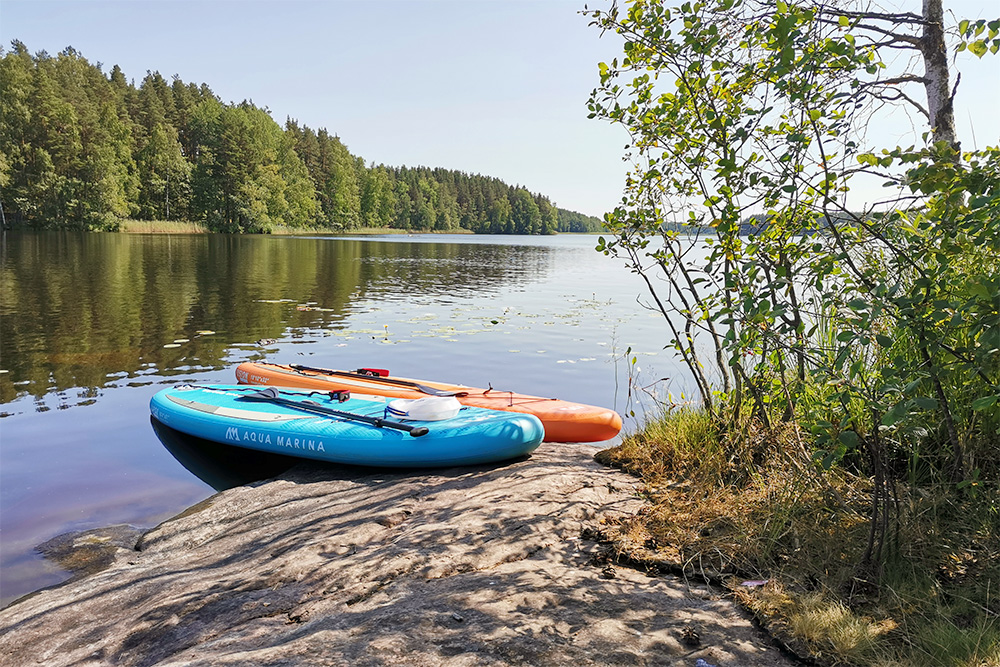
429 409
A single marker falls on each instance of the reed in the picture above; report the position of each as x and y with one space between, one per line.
162 227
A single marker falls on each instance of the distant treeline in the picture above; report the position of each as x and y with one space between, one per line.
79 149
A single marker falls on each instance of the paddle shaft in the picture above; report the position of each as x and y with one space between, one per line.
316 408
374 378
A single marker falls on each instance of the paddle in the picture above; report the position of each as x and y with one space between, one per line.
393 381
272 395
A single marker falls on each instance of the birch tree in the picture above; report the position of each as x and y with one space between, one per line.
748 131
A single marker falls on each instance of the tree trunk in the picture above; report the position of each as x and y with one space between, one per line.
936 78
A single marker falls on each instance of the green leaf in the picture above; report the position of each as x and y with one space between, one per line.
829 460
926 403
985 402
858 304
894 415
849 439
884 341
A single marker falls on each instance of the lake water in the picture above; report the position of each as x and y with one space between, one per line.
92 325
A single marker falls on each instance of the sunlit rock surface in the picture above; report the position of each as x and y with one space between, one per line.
335 566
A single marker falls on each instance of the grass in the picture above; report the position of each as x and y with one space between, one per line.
162 227
747 505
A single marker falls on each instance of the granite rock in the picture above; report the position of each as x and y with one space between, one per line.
490 565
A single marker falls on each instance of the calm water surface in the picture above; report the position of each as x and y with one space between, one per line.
92 325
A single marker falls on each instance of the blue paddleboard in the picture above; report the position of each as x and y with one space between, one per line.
356 431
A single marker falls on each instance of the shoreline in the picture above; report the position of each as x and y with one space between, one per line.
495 565
176 227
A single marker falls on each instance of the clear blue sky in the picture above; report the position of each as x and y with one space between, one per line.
496 87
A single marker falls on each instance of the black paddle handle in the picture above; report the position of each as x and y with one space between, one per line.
271 394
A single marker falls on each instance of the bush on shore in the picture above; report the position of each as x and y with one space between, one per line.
749 508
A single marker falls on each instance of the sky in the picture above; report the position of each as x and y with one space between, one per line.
491 87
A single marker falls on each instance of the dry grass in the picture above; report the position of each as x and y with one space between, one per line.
748 505
818 623
162 227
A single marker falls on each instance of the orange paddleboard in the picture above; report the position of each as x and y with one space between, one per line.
564 421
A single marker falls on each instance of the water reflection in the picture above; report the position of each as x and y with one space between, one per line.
92 325
85 310
220 466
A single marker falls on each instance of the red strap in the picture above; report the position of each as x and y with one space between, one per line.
373 372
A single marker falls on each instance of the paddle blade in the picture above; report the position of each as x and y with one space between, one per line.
267 393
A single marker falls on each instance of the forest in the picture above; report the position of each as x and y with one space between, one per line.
83 150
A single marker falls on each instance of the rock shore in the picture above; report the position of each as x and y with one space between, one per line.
333 566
